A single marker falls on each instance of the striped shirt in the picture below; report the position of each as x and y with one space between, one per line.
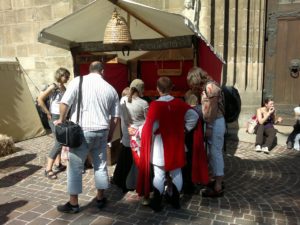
99 102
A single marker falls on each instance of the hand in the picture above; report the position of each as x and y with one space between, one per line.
279 119
131 131
271 110
56 122
49 116
208 132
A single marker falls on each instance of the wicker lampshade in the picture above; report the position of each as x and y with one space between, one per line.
116 31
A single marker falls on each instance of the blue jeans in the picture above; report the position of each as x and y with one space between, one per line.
94 142
215 143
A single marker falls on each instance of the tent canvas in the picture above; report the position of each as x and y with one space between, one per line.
18 116
146 24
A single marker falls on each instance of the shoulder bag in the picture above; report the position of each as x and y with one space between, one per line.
68 133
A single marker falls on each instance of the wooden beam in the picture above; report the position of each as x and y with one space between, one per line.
137 45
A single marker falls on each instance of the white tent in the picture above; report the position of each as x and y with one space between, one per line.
88 24
18 116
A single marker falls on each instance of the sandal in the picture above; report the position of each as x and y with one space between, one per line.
50 175
59 168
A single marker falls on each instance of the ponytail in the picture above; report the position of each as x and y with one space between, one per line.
133 90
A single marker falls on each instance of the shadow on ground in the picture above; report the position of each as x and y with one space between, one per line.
7 208
16 169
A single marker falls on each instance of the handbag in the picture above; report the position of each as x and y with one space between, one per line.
251 125
68 133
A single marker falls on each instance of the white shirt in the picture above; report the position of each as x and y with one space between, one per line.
99 103
55 98
157 152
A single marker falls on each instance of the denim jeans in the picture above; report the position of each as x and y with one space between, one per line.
94 142
216 144
57 146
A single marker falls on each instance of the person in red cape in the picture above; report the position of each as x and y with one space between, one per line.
162 144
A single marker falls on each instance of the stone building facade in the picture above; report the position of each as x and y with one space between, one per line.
235 28
20 23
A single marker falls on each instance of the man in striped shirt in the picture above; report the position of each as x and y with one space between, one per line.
99 115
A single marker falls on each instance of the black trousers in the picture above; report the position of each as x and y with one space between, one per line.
291 137
123 166
267 134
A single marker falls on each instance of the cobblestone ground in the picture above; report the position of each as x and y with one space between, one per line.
260 189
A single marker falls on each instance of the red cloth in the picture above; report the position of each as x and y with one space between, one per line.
199 159
170 116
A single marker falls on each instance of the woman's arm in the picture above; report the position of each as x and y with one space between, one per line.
42 98
260 117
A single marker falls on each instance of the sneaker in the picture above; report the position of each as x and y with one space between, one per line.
101 203
258 148
265 150
68 208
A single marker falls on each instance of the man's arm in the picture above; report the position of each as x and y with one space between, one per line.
113 123
63 111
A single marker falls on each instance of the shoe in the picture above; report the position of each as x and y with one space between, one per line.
145 201
155 202
175 199
265 150
211 184
50 175
289 145
258 148
59 168
68 208
212 193
101 203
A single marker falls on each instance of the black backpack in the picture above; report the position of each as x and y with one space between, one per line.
232 103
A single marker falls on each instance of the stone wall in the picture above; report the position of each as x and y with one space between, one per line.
236 30
20 23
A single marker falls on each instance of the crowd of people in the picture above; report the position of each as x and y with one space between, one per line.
169 145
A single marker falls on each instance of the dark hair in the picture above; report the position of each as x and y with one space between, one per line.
164 85
267 100
132 91
96 66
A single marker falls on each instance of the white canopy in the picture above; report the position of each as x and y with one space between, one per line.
89 23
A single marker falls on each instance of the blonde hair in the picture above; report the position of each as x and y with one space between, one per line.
60 72
192 100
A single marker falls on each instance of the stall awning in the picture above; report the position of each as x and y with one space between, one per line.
88 24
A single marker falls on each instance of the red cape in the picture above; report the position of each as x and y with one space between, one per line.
170 116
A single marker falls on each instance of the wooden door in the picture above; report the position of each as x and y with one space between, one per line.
283 45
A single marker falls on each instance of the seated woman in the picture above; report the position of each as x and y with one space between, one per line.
265 129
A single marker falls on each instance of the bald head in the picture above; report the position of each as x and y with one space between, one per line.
96 67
